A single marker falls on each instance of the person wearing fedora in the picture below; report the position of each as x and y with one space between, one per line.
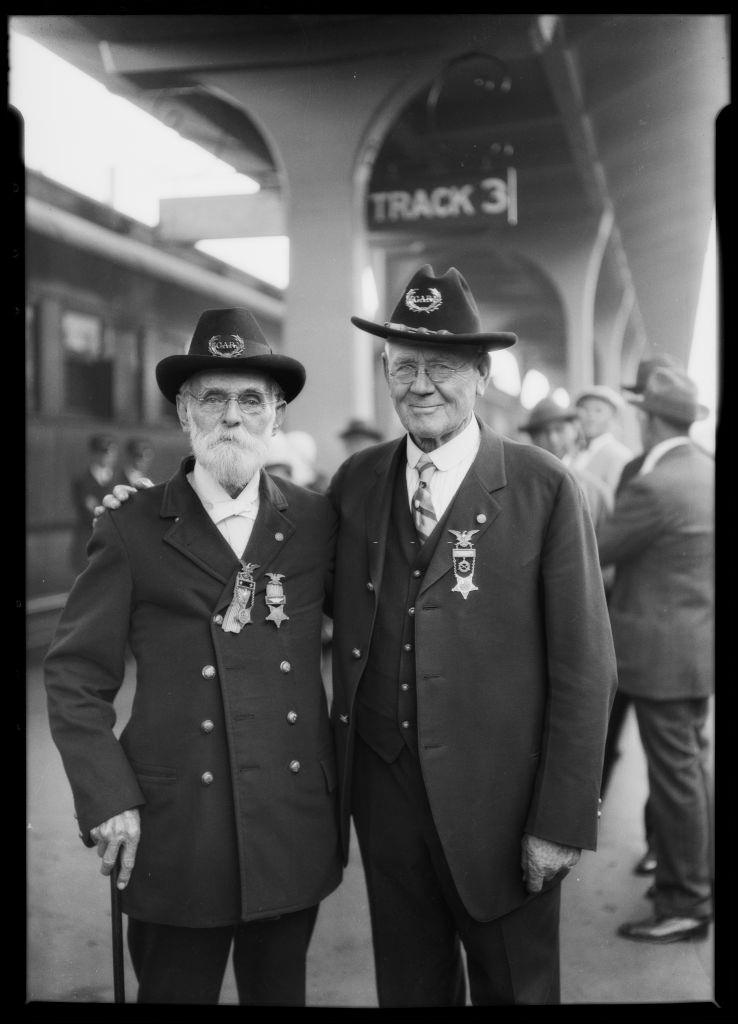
473 670
604 456
558 430
646 864
359 434
221 791
660 539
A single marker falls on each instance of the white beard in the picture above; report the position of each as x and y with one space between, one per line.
231 456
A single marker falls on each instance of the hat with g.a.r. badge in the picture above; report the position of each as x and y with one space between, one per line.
231 341
437 311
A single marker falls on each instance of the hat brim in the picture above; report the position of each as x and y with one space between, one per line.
701 412
531 426
173 371
489 341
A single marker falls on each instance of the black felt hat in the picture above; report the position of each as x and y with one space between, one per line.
229 340
437 311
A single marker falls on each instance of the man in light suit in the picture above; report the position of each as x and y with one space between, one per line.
221 791
473 672
604 456
660 540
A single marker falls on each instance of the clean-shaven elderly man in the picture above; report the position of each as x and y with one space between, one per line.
473 672
660 538
221 791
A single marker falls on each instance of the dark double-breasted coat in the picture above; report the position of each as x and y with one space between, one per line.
228 751
660 538
513 683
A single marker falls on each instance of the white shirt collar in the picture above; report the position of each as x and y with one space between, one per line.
210 492
452 452
659 450
599 442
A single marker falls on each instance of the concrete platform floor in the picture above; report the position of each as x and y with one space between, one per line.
68 929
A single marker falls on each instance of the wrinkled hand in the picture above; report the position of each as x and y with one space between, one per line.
120 493
121 830
542 859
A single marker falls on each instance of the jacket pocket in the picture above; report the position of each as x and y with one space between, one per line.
153 772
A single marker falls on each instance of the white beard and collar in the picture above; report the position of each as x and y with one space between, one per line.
232 457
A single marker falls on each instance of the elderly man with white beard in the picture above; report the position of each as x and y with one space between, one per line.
220 793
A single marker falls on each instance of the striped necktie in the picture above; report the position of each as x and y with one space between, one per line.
424 515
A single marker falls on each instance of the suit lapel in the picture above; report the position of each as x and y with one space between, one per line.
192 531
271 530
473 507
195 536
379 509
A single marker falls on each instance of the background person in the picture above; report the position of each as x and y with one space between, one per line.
138 456
558 430
359 434
221 792
660 539
87 492
604 456
473 669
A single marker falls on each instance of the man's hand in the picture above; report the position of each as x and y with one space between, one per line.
541 860
121 830
120 493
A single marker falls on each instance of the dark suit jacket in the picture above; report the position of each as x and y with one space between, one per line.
261 839
513 684
660 539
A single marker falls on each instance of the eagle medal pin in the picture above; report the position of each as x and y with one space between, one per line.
464 558
239 610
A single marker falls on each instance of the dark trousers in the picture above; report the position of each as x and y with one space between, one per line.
672 733
620 706
419 922
186 965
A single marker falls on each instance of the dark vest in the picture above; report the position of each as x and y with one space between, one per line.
386 703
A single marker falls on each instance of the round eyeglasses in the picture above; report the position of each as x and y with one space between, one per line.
250 403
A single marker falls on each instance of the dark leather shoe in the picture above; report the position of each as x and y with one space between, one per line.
664 929
646 865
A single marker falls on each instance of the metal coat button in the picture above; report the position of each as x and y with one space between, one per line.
411 611
207 778
208 671
481 518
285 666
407 647
218 620
206 726
355 652
404 686
370 585
294 766
279 536
344 719
417 573
292 717
405 724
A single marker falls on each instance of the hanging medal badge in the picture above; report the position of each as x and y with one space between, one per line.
464 557
275 599
239 610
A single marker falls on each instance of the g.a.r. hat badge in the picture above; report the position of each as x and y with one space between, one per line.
425 302
229 346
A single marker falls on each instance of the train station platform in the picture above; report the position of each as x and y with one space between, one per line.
69 935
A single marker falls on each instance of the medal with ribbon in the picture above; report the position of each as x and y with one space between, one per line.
239 610
275 599
464 557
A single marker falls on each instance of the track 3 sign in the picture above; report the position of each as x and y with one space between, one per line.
455 203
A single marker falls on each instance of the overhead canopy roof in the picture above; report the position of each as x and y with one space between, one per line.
600 111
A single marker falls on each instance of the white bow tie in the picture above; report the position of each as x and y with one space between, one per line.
234 507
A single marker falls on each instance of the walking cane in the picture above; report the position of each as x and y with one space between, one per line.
119 990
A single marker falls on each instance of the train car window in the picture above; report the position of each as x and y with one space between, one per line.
88 365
